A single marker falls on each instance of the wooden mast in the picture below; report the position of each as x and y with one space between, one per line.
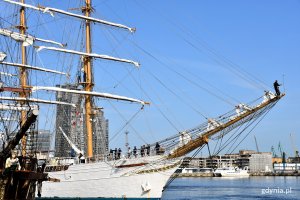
88 81
23 73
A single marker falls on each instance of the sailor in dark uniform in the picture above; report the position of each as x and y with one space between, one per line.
276 87
134 151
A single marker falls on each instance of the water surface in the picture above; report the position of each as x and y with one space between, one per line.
233 188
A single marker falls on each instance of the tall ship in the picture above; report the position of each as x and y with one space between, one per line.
142 172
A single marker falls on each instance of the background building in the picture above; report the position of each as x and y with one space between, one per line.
100 136
260 162
255 161
72 121
286 167
42 141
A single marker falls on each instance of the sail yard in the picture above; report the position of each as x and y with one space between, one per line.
59 78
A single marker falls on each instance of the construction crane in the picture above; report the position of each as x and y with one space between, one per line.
280 149
293 145
256 144
282 153
273 152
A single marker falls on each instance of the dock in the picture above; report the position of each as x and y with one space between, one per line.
197 174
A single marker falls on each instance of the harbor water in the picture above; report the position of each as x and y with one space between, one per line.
261 187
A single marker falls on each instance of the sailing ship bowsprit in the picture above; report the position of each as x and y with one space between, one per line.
89 176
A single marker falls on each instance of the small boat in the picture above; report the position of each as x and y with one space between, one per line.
231 172
90 173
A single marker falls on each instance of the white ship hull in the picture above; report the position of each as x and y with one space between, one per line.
101 179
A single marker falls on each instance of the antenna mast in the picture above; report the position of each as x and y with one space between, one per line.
88 80
126 142
23 73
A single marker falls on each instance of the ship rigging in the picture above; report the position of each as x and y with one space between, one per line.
147 171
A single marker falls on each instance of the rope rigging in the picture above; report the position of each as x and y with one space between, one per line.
180 74
176 95
254 126
186 34
257 113
222 127
231 138
172 142
159 109
188 159
183 142
127 122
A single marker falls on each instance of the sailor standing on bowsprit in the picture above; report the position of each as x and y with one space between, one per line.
276 87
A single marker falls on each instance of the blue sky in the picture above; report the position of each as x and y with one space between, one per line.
262 37
191 38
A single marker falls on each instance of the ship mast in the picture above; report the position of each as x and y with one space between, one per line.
88 80
87 60
23 73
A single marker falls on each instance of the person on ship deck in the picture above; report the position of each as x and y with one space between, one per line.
157 148
135 151
276 87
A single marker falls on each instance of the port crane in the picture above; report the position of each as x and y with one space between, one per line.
273 152
256 144
280 149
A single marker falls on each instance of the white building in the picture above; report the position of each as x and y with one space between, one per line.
260 162
286 167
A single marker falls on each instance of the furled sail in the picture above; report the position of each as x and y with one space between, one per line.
18 107
200 135
7 74
78 151
2 56
26 39
97 94
51 10
34 68
106 57
35 100
9 119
